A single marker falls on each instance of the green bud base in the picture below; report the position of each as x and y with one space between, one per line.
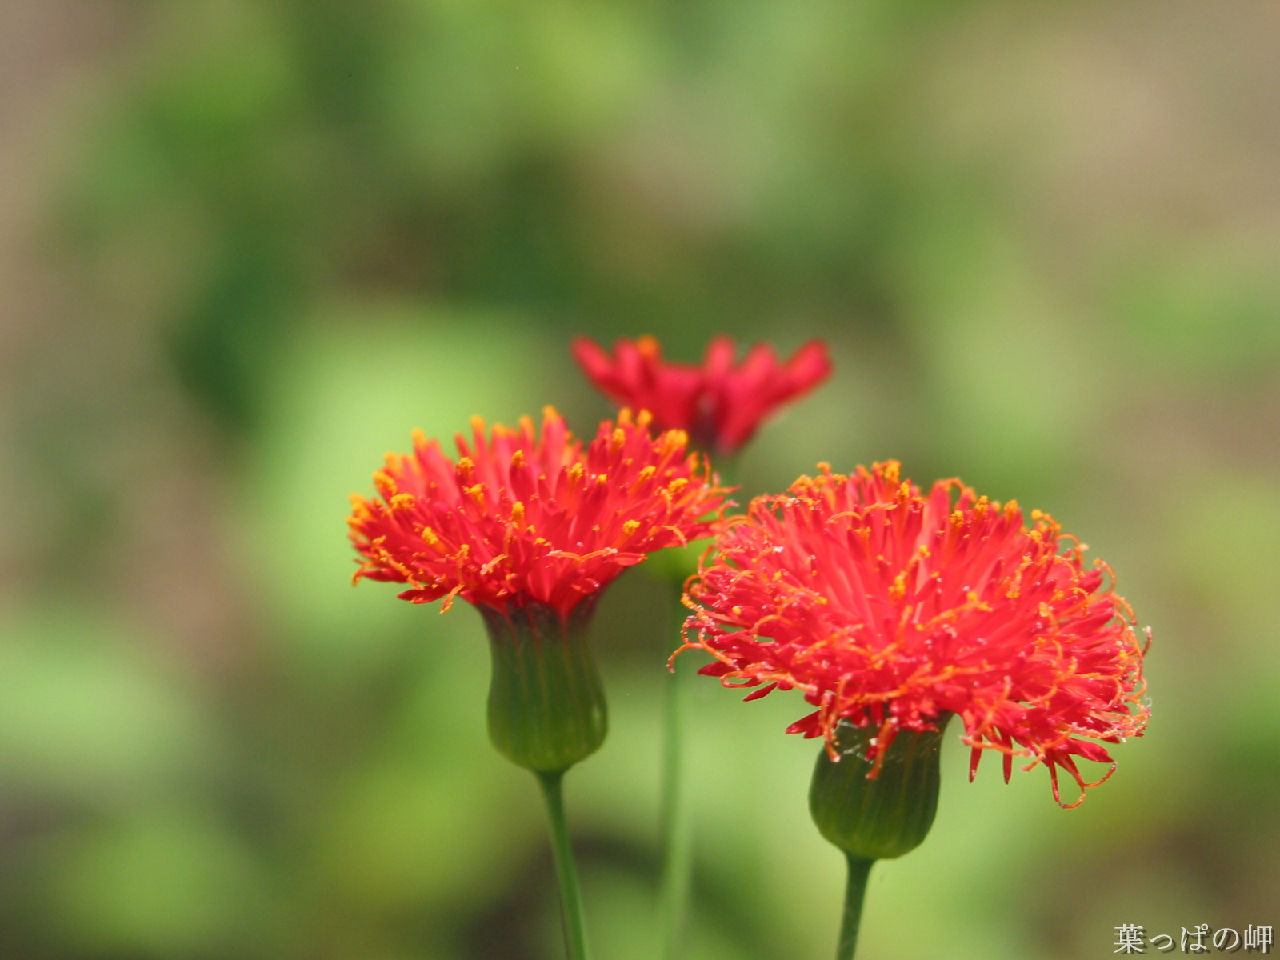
883 817
546 704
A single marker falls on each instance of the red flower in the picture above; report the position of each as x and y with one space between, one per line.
895 609
719 404
526 519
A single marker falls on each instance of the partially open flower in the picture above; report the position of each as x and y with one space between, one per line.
895 610
721 404
529 526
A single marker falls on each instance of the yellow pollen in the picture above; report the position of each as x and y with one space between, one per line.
517 512
385 483
517 459
646 474
673 441
643 419
676 487
576 472
476 493
618 440
477 425
630 527
429 536
465 468
892 470
1011 507
402 501
899 588
419 438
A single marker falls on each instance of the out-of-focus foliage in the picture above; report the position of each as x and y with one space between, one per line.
246 247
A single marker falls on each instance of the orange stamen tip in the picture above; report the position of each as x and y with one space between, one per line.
386 484
898 589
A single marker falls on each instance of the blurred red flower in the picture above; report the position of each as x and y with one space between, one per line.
720 404
524 518
890 608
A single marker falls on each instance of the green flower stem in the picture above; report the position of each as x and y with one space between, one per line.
677 833
677 822
575 934
854 891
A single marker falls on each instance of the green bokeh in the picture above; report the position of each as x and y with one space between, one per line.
271 239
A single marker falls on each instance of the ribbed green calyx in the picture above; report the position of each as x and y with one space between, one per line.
884 817
546 704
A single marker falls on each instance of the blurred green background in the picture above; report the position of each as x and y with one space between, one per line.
246 247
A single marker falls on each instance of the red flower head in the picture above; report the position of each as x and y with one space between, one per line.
720 404
896 610
523 518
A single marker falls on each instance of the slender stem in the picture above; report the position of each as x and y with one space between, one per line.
575 936
855 888
677 834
